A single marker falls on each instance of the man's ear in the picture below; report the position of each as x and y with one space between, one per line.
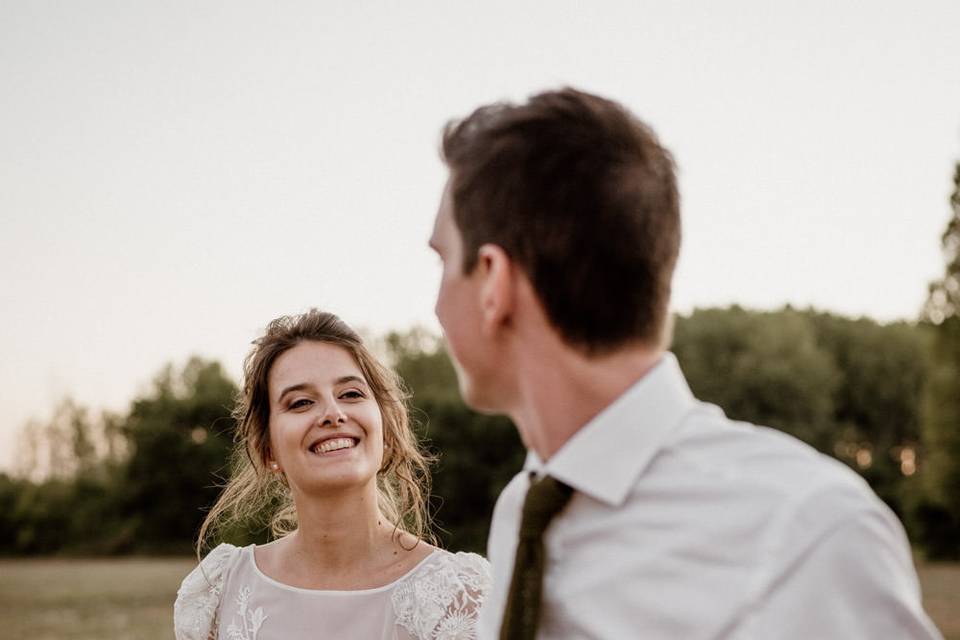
496 287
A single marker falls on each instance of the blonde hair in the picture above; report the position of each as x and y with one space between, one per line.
254 493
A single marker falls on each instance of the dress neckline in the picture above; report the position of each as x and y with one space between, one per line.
252 558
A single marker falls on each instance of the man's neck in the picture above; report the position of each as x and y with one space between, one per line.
561 390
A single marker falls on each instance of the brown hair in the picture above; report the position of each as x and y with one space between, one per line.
583 197
252 492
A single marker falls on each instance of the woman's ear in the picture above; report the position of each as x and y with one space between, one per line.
271 463
495 270
388 453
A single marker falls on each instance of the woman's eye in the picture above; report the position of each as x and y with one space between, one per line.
353 394
298 404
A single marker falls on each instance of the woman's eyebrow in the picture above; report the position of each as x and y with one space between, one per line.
294 387
304 385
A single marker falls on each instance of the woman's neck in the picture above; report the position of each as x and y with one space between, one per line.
339 530
341 543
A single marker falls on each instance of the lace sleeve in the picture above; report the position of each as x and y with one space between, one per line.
198 599
441 600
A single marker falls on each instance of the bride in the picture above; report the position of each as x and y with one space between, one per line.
324 446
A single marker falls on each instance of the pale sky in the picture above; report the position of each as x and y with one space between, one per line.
175 174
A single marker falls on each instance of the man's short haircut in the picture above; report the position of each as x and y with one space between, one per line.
582 196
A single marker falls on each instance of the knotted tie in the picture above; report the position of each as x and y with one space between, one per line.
544 500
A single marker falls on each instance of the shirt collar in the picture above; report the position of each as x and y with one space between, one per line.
607 454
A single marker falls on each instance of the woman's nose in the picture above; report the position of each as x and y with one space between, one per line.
332 415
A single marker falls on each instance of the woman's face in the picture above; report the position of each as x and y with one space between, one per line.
326 429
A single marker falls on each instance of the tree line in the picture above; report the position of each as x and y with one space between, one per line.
882 398
854 389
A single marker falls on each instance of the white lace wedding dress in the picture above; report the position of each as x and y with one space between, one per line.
228 598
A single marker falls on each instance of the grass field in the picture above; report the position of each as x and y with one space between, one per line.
941 596
132 599
124 599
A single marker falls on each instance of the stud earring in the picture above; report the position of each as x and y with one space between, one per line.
274 466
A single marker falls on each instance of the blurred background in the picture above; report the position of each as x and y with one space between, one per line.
174 175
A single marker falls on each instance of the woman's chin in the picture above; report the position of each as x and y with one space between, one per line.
328 483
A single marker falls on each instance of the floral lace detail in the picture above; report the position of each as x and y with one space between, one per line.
442 599
250 621
198 599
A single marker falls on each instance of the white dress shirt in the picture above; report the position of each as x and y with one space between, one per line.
686 525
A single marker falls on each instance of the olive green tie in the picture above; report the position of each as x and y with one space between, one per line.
544 500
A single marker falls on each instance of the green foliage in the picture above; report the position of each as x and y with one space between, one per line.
42 513
10 490
882 372
939 511
420 359
942 414
944 299
136 482
765 368
877 404
477 454
140 481
845 386
181 435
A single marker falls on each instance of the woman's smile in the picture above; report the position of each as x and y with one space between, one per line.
334 445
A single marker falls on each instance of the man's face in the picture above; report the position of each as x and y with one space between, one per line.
458 309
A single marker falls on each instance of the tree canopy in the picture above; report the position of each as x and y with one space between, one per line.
853 388
938 515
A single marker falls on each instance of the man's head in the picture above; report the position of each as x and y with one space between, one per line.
581 198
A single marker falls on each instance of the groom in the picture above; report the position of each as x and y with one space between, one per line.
640 512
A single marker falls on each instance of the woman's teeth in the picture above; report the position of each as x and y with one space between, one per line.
334 445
